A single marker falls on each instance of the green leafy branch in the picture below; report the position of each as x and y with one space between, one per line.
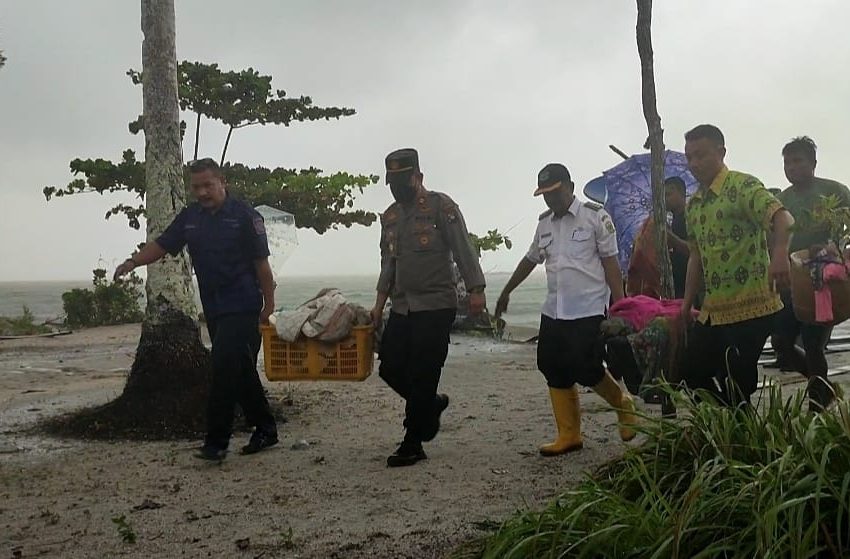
237 100
492 241
830 215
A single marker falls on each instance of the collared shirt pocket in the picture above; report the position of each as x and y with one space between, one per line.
191 233
425 238
230 236
580 242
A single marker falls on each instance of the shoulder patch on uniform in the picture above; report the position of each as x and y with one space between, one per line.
593 206
445 200
391 213
544 215
448 207
606 221
259 226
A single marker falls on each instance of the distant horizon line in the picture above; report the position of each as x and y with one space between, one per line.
299 276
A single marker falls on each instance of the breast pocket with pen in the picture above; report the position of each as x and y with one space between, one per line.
580 243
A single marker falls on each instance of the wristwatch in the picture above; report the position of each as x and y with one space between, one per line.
476 289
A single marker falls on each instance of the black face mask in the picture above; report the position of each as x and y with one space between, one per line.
403 192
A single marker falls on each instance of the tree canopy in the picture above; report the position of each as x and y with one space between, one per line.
236 100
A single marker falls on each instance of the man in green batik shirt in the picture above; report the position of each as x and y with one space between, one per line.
728 220
805 194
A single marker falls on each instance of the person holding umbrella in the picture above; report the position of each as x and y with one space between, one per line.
644 276
578 243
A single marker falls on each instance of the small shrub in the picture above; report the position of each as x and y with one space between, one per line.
23 325
106 304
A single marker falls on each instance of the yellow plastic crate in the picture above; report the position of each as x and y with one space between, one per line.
350 359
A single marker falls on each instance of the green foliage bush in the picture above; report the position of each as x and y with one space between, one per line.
719 482
23 325
106 304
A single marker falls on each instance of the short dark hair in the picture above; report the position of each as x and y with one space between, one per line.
205 164
803 145
707 131
677 183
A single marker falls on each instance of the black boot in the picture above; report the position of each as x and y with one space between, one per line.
214 452
261 439
441 402
408 453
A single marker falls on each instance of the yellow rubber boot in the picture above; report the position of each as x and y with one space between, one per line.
620 401
568 419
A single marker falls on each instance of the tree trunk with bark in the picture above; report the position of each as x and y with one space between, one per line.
166 391
656 144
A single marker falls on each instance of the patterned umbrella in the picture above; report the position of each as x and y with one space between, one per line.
629 195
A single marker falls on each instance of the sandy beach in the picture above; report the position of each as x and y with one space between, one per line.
330 497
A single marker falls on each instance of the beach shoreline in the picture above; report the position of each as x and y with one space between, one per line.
333 497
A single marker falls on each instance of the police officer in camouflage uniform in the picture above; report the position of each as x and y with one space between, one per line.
422 232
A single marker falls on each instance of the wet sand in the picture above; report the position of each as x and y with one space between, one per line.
330 497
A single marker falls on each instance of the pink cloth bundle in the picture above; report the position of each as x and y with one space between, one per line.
640 309
823 296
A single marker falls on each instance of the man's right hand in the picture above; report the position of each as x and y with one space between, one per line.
502 304
377 315
123 269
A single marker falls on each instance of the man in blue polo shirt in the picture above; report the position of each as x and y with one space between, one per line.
227 243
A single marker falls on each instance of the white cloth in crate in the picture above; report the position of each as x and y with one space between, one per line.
327 317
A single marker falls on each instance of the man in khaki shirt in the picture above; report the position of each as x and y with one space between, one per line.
422 233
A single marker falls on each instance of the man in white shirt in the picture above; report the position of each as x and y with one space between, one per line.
578 243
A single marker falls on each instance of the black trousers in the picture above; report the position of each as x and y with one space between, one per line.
413 351
727 354
236 342
785 331
570 351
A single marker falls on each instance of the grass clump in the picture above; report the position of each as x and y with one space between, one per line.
718 482
23 325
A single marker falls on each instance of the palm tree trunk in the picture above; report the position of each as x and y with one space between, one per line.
166 391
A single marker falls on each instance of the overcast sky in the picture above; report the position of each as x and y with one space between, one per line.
487 90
